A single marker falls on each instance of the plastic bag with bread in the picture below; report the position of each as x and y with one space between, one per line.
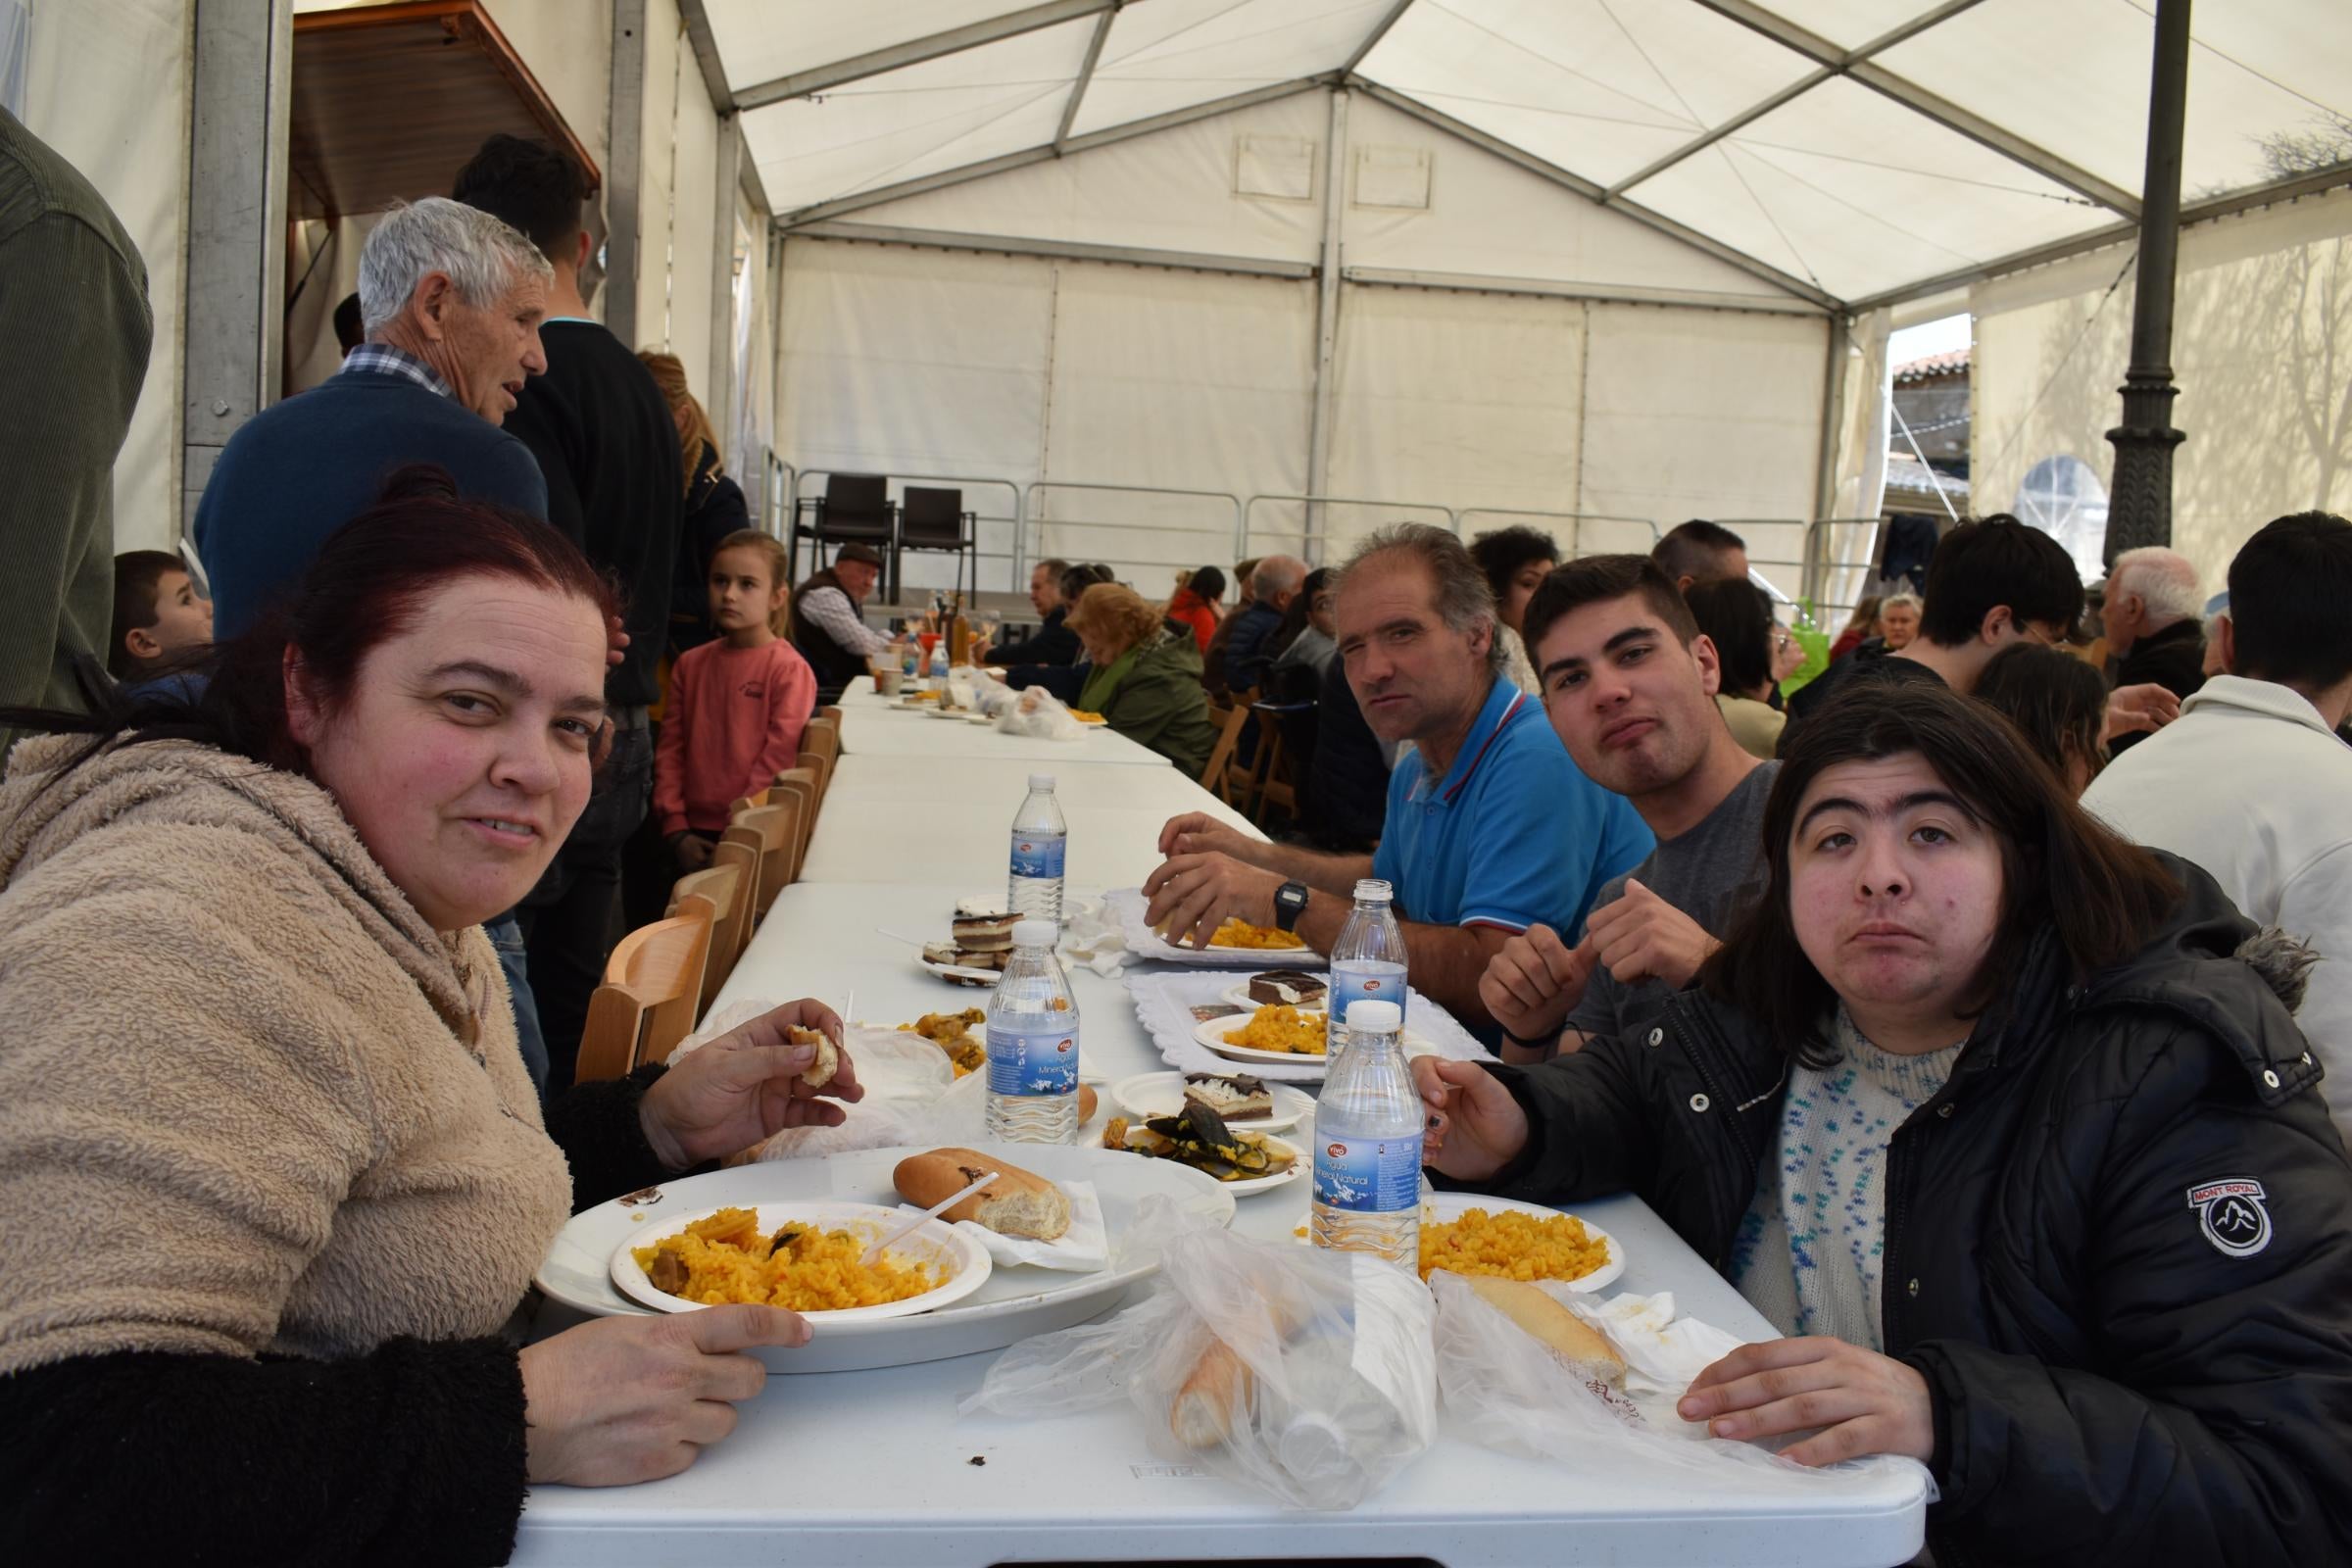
1528 1368
1303 1373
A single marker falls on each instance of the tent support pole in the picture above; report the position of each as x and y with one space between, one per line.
623 157
1327 321
1833 417
241 87
721 374
2141 511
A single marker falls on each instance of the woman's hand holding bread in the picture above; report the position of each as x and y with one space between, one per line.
749 1084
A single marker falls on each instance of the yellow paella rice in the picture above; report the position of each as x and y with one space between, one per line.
1513 1245
1239 933
726 1258
1281 1027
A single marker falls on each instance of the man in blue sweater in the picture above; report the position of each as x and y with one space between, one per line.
451 300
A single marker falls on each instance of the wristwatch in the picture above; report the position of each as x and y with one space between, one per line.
1290 902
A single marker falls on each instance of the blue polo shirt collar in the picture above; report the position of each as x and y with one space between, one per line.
1502 705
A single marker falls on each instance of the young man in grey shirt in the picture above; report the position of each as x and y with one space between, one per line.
1629 683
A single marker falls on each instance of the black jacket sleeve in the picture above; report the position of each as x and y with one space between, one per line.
413 1455
1590 1131
1052 645
2217 1426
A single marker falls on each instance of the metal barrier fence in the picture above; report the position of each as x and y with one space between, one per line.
1822 578
1316 531
781 484
980 519
1228 532
1572 546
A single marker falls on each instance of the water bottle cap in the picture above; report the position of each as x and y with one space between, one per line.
1040 781
1034 933
1370 1017
1372 890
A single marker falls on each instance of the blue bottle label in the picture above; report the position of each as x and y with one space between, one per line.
1034 1056
1351 983
1038 854
1369 1175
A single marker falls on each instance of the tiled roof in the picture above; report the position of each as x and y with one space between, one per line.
1954 362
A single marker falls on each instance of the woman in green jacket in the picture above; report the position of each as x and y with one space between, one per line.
1146 678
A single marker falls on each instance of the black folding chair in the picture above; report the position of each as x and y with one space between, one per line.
935 519
855 509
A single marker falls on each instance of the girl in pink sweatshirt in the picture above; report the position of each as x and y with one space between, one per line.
736 706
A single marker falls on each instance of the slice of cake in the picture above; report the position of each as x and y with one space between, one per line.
1288 988
984 933
1233 1096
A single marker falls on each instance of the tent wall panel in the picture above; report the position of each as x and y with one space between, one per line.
1704 414
657 180
105 84
2262 350
693 227
1466 399
1189 380
1171 190
569 46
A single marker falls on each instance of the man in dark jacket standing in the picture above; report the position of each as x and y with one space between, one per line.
603 433
1055 643
2037 1175
73 333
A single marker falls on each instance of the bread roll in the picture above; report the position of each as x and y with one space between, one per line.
1018 1202
1215 1399
1086 1103
1582 1348
828 1057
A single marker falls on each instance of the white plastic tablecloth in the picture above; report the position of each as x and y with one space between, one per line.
876 1466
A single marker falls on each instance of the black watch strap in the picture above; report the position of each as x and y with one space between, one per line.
1290 902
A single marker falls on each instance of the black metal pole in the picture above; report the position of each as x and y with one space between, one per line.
2139 511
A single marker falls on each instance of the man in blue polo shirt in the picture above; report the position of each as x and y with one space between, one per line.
1490 828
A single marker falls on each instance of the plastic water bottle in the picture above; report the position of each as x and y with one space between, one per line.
1368 1126
1033 1043
1367 962
1041 840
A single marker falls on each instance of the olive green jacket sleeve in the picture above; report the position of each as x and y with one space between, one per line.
74 332
1160 702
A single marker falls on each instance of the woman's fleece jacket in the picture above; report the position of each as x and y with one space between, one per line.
272 1176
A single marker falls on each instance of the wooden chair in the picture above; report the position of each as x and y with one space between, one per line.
724 893
1217 775
831 711
745 858
652 989
1270 783
799 786
772 832
820 751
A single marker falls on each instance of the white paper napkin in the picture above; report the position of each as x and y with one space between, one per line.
1083 1248
1092 937
1662 1353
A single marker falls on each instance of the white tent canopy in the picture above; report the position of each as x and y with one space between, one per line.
1847 149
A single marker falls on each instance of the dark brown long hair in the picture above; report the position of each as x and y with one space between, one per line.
2101 898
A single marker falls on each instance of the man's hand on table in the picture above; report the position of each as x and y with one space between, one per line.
1191 895
624 1400
1535 982
1475 1126
1864 1402
745 1086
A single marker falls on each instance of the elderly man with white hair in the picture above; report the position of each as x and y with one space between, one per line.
451 300
2153 624
1249 647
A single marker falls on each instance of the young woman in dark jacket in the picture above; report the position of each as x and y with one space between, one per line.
2085 1245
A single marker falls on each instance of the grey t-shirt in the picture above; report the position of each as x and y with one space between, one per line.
1711 874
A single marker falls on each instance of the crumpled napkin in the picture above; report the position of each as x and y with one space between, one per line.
1662 1353
1092 936
1083 1248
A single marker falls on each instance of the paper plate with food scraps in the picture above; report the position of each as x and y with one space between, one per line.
1243 1162
1560 1246
1161 1094
809 1257
1012 1303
